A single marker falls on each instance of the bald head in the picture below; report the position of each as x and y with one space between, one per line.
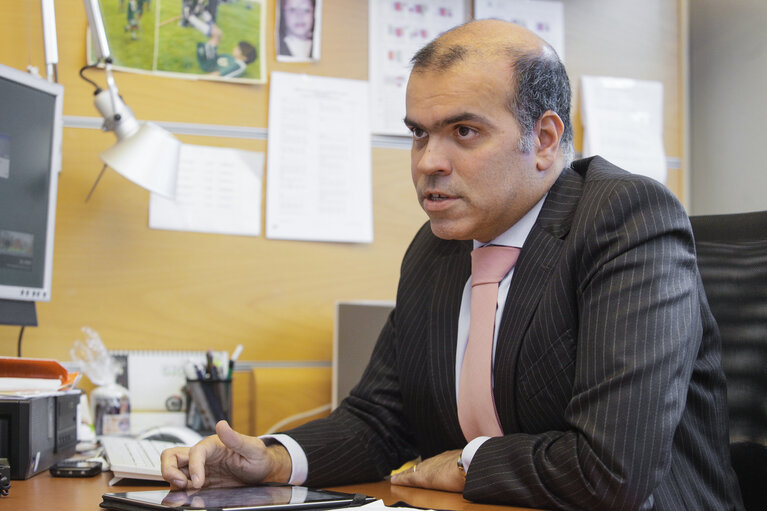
481 39
538 81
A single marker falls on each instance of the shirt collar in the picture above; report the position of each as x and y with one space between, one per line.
516 235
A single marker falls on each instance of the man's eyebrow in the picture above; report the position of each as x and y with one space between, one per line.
411 124
458 118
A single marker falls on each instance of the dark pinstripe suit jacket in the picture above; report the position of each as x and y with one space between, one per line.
608 379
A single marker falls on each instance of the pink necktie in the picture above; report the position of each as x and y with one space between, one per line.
476 406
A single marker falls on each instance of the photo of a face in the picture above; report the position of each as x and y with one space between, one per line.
298 35
299 18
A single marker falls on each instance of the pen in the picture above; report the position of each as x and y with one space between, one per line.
191 371
235 355
209 364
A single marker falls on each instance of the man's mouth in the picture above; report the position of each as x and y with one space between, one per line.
436 201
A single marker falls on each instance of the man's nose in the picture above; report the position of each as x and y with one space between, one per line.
433 159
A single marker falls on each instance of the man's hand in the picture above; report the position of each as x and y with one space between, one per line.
437 473
227 458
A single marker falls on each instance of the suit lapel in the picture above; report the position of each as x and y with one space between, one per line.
539 254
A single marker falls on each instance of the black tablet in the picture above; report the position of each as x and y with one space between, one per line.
251 498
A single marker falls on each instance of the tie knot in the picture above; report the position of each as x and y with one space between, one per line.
489 264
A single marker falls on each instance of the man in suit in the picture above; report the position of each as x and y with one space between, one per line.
606 366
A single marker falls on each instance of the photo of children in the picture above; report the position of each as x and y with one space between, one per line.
225 65
209 39
202 16
298 33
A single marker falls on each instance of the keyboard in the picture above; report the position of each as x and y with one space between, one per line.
133 458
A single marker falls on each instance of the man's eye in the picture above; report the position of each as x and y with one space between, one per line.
465 131
417 133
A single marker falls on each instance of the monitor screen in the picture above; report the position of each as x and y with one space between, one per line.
30 158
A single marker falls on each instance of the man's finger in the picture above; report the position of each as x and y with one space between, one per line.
198 455
246 446
173 462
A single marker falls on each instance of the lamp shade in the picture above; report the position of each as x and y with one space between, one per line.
149 158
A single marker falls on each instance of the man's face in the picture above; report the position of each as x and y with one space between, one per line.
299 18
470 175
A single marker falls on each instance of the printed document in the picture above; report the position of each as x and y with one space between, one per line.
623 123
397 31
318 160
545 18
218 191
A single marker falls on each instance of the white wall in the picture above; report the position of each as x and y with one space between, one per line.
728 106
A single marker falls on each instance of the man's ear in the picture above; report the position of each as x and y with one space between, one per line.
548 133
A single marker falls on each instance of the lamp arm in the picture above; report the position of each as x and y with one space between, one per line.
49 40
96 24
113 94
117 116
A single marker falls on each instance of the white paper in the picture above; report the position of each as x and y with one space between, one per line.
218 191
318 159
544 17
397 31
154 376
623 123
9 384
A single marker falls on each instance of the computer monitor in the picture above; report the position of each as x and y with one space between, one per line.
357 326
30 159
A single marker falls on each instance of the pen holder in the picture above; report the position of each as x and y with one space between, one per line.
208 401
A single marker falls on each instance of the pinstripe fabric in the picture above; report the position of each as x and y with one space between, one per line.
608 377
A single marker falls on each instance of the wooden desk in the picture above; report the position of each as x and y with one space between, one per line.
84 494
421 498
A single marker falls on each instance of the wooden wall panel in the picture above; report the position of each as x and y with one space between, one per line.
290 397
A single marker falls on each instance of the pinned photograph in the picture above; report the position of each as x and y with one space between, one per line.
298 31
199 39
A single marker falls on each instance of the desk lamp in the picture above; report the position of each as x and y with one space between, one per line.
144 153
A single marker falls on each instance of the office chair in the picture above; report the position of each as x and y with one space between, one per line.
732 259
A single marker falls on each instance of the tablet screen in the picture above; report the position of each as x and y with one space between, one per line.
245 498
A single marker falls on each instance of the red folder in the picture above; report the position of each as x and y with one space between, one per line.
35 368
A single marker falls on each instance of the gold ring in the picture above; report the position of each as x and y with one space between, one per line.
414 468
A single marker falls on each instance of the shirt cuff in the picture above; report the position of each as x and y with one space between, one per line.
470 450
299 463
